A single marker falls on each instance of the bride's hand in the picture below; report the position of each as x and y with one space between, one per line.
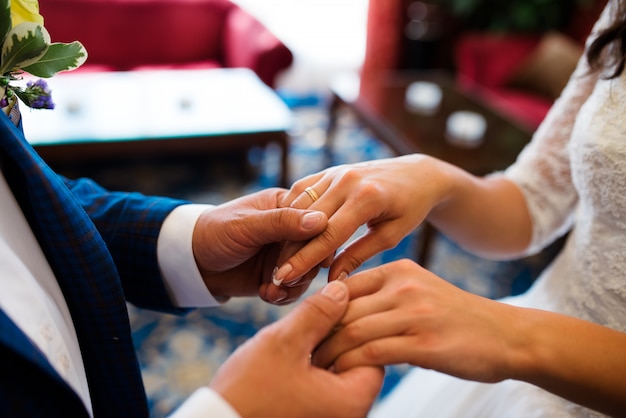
402 313
391 196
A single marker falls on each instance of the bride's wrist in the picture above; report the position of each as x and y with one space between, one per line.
448 183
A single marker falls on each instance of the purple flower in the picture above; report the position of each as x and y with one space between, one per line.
38 95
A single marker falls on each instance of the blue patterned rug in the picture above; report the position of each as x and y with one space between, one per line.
179 354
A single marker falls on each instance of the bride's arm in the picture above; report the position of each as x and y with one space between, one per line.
575 359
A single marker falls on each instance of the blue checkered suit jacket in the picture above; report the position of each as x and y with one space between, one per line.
102 249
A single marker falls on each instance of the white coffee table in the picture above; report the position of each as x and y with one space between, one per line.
100 115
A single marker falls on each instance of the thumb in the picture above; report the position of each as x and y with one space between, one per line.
313 319
289 224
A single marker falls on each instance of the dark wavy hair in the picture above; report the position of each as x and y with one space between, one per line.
613 39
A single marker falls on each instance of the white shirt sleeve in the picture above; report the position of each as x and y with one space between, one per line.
205 402
178 265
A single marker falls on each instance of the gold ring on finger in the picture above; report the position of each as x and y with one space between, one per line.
312 193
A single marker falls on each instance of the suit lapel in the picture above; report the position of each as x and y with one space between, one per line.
17 355
13 338
85 272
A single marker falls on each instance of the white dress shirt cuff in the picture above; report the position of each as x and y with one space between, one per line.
205 402
178 265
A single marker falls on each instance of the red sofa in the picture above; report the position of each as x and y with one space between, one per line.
123 35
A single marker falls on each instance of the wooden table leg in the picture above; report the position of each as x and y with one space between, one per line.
425 239
331 129
283 141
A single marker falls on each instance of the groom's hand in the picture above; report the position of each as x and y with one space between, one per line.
271 374
237 244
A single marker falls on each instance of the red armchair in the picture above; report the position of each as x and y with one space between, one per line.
486 65
522 74
127 35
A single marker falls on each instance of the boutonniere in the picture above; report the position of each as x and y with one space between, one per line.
27 48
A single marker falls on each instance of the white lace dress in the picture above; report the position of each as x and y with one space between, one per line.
573 175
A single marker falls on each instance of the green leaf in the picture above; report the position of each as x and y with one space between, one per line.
24 45
58 57
22 95
5 19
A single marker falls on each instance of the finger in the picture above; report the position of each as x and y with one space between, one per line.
304 280
268 273
287 249
287 224
344 224
322 196
359 332
328 260
272 294
362 249
313 319
298 188
283 295
368 282
381 352
294 294
279 293
307 198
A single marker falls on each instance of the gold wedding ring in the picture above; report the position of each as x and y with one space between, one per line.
312 193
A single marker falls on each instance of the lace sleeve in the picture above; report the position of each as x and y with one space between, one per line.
542 170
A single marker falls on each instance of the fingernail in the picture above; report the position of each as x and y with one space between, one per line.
335 291
282 295
274 279
294 283
281 274
342 276
311 219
